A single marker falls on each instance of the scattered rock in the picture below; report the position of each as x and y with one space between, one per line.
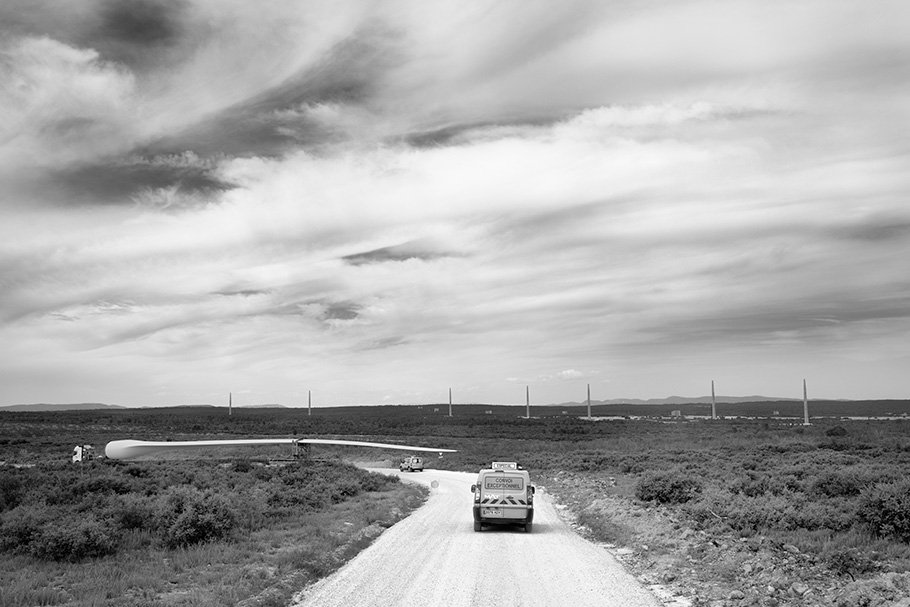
799 589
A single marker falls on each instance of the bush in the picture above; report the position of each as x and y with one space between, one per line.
135 512
21 526
189 516
69 540
886 509
242 465
12 490
672 487
53 534
102 484
836 514
849 561
839 483
753 485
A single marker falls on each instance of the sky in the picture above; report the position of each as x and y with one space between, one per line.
379 201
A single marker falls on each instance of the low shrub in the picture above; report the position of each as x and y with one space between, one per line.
102 484
603 528
839 483
753 485
242 465
886 509
73 540
672 487
834 514
135 512
763 514
12 490
47 533
848 561
21 526
189 516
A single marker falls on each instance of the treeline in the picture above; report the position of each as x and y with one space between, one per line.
69 513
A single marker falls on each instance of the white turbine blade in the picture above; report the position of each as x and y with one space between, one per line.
128 449
357 443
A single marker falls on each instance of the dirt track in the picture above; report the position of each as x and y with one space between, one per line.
434 557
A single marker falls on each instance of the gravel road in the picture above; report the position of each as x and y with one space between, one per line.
434 557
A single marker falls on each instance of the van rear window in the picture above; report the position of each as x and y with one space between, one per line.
500 483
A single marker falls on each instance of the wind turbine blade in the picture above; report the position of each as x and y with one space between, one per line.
357 443
128 449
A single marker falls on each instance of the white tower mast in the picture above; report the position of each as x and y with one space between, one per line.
805 405
713 402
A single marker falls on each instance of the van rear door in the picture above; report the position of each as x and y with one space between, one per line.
505 495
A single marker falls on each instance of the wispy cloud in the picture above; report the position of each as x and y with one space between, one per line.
389 199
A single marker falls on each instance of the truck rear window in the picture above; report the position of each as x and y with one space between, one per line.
504 483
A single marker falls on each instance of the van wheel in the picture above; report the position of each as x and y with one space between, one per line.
477 526
528 527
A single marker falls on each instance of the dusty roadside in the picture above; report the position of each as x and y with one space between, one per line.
686 567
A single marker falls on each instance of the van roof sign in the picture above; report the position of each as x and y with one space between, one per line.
504 466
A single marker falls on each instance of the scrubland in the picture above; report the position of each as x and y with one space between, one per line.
185 532
721 512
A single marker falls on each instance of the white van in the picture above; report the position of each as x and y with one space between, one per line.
411 463
503 495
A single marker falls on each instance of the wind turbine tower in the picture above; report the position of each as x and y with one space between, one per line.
805 405
713 402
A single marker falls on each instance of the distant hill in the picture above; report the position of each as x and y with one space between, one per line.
60 407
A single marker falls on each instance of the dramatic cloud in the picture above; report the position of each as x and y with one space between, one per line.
380 201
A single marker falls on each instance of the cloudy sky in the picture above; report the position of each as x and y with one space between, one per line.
378 201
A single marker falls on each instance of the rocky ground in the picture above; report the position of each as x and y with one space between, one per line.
691 568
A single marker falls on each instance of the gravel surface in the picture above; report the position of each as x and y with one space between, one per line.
434 557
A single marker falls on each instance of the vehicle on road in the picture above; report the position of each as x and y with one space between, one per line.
411 463
503 495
